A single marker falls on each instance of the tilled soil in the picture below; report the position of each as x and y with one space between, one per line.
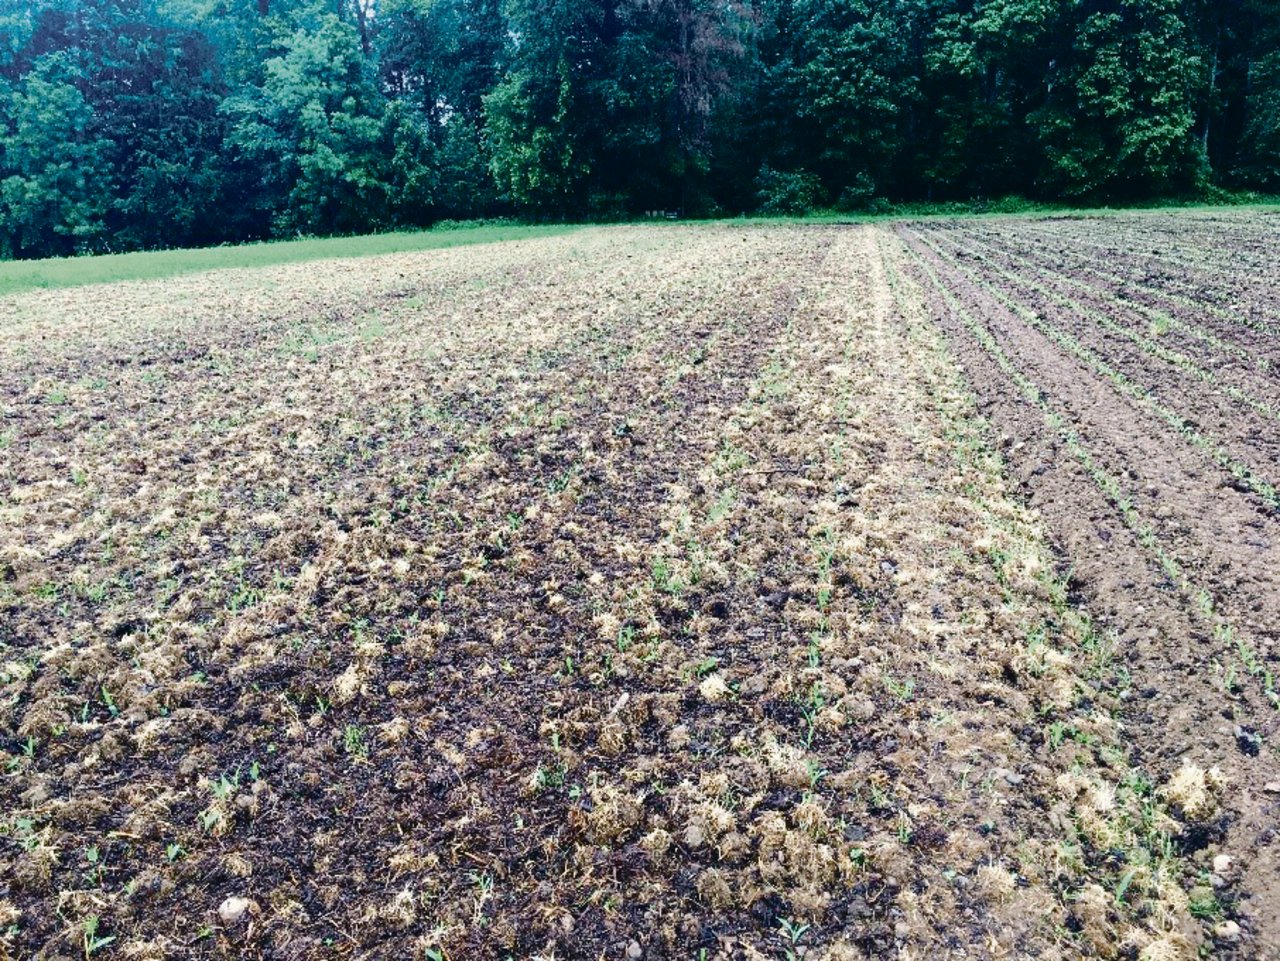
644 593
1179 559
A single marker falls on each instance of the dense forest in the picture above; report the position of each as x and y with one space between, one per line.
146 123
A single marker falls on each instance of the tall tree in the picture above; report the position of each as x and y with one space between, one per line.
607 107
983 69
853 82
443 57
55 176
327 151
549 115
1119 110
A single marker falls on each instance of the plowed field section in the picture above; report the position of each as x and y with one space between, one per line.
1128 366
648 593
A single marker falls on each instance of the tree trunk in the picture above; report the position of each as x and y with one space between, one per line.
362 25
1213 89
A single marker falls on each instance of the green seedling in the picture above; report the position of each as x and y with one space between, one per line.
91 941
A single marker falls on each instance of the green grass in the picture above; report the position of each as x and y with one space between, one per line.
1006 207
20 275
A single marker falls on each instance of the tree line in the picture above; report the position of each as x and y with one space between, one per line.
130 124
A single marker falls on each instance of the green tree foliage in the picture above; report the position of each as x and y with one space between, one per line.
561 119
166 160
142 98
850 76
605 108
444 55
148 123
331 154
787 192
466 187
1241 125
55 182
1260 149
1119 107
985 68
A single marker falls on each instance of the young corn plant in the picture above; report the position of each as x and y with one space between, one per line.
793 933
91 941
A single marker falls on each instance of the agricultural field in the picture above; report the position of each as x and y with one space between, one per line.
729 591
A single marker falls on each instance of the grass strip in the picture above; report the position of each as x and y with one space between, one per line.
17 276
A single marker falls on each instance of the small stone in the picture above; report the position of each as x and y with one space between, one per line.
233 909
1222 864
855 832
1227 931
634 951
1272 787
695 836
1218 881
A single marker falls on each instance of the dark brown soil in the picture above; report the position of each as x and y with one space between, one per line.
1186 692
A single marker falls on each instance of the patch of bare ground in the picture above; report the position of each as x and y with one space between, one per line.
1153 465
640 590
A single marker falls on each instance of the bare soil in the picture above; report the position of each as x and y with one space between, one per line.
1198 653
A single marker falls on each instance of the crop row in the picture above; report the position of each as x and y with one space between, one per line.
1233 645
1056 262
1210 285
1145 340
1261 486
1210 250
